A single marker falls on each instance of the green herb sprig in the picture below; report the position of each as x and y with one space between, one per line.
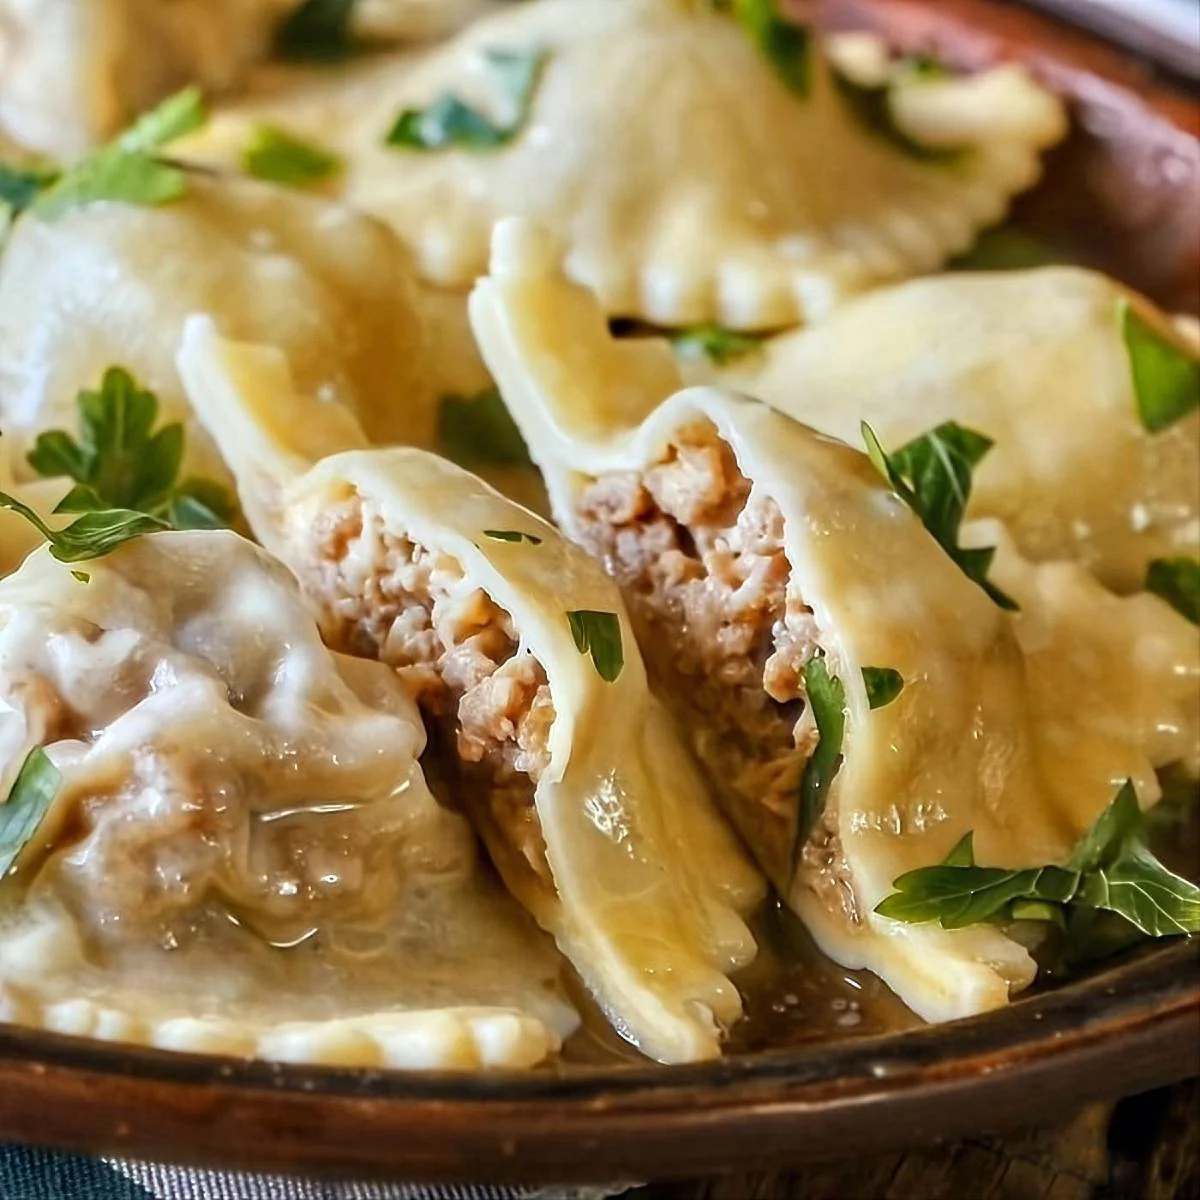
126 476
1177 581
512 535
128 169
274 155
479 431
1166 376
1110 869
883 685
599 634
826 697
449 122
932 475
785 44
32 793
718 345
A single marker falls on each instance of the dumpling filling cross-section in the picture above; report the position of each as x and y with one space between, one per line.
235 850
519 652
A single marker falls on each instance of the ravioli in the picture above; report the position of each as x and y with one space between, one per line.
1036 361
239 853
72 72
517 649
679 196
772 577
111 284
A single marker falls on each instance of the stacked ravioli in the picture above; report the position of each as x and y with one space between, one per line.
335 732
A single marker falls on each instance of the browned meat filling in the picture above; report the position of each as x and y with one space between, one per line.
387 597
699 557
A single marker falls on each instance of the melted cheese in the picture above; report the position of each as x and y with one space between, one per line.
652 931
1033 359
679 196
242 855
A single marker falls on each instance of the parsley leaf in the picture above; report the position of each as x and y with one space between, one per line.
719 345
932 475
118 464
277 156
785 44
1110 870
33 792
93 535
1177 581
883 685
826 697
478 430
511 535
20 187
316 31
449 122
599 633
128 168
1166 375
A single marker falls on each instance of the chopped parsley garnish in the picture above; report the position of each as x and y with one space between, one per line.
599 634
1166 376
118 463
826 698
33 792
129 168
883 685
450 122
316 31
786 45
1177 581
932 475
94 534
277 156
1110 870
20 187
478 431
871 106
511 535
719 345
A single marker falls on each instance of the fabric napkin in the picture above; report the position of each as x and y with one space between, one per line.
29 1174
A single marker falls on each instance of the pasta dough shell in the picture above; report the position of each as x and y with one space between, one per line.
686 182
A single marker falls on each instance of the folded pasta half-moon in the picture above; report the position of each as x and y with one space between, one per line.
858 702
681 195
217 837
1035 360
518 650
111 285
74 71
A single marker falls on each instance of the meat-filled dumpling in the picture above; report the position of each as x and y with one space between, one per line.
74 71
517 648
1038 362
680 198
220 838
859 703
111 284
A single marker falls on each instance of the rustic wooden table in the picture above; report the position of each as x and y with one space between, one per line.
1144 1148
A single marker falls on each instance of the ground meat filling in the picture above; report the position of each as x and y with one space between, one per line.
385 596
699 556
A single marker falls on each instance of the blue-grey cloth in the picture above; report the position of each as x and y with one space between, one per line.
28 1174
